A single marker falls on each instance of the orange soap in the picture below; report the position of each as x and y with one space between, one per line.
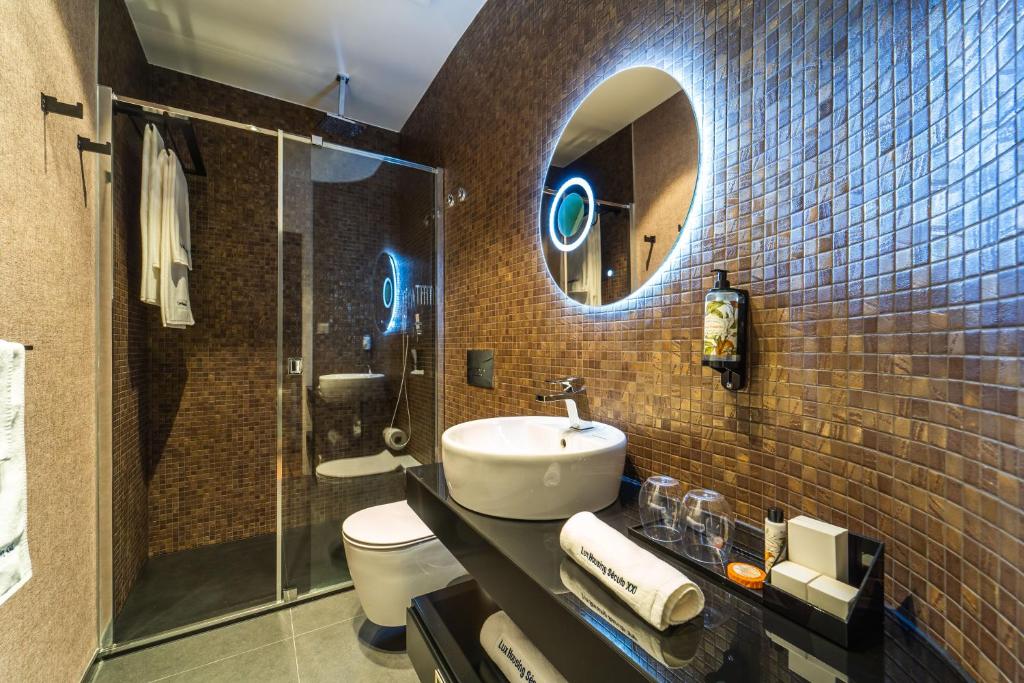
746 574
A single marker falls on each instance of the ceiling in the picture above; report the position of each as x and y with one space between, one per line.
292 50
616 103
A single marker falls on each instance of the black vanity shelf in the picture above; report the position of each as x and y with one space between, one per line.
442 635
866 565
590 636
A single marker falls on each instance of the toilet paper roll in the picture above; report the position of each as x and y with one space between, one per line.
395 438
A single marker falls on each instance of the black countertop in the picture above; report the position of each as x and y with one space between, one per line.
590 636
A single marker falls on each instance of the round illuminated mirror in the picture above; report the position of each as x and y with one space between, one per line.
620 186
385 293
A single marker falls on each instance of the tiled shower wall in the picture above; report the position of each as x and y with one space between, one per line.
194 433
122 66
860 180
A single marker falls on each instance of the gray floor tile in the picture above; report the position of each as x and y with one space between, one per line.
273 663
192 585
185 587
334 653
310 616
176 656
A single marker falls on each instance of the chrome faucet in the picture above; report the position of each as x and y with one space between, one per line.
574 393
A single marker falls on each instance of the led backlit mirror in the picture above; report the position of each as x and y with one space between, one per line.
386 293
620 186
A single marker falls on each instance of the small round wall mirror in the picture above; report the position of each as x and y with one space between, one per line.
620 186
385 292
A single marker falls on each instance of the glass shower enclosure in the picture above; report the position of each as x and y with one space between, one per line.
237 447
357 345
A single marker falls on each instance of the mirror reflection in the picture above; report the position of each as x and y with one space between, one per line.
620 185
386 293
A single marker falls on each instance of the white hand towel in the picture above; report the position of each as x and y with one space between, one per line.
675 649
151 214
175 305
12 401
513 653
654 589
15 565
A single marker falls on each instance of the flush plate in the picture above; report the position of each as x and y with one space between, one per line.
480 368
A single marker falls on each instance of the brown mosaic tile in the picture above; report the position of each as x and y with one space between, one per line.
862 185
195 434
122 64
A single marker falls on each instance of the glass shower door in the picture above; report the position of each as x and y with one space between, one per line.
357 346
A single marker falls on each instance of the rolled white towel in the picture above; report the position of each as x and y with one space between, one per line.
513 652
654 589
674 649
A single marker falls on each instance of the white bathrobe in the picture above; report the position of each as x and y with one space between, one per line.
175 246
151 214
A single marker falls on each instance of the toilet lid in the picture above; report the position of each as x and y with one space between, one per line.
360 466
390 525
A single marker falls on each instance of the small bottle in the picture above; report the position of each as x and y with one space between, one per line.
774 538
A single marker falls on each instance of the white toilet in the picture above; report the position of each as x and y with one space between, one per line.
393 557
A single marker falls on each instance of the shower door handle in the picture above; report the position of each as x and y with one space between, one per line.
294 366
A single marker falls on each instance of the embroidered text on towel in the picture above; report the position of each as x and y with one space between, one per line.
629 586
517 662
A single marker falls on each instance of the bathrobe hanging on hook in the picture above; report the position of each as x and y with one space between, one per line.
175 246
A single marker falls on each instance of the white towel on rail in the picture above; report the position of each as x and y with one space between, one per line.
15 565
661 594
151 214
175 245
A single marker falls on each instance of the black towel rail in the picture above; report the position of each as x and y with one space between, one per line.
169 125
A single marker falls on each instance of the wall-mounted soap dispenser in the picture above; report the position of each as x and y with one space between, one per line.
725 332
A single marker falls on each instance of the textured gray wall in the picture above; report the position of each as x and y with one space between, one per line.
47 276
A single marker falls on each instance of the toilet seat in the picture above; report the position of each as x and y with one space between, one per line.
393 557
386 527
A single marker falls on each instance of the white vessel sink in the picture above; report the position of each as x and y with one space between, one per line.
532 467
344 384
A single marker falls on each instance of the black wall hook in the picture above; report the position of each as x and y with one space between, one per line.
51 105
87 145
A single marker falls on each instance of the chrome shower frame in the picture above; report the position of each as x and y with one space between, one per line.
103 189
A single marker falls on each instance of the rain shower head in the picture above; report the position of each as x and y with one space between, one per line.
338 124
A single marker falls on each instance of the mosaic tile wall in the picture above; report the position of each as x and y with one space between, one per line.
195 438
122 66
212 387
417 242
353 223
860 181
